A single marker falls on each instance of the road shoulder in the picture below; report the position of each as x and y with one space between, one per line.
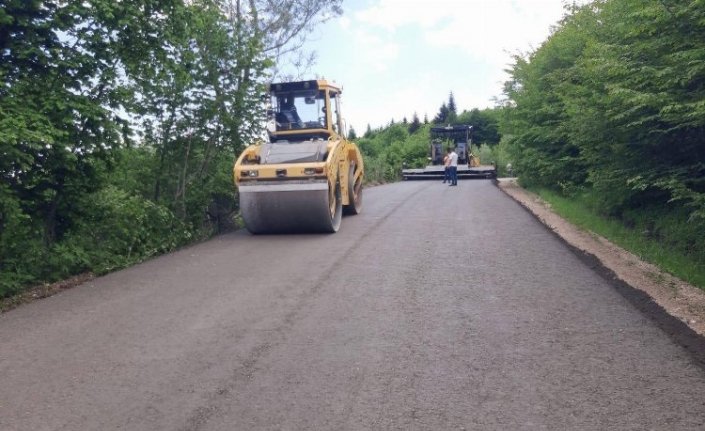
683 301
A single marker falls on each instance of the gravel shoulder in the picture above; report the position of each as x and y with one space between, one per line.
675 297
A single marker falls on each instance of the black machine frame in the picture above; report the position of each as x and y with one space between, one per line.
460 138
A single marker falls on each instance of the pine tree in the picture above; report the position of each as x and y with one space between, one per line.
451 104
415 124
351 134
442 115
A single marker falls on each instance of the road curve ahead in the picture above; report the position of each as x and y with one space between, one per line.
437 308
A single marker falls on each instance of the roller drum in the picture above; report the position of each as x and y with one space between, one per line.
288 207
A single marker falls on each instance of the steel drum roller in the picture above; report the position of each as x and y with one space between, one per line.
290 207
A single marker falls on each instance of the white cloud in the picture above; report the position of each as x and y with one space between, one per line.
374 51
399 56
344 22
390 14
485 29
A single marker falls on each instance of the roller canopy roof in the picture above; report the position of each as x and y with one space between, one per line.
286 87
451 129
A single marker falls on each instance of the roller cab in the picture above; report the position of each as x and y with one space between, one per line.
308 174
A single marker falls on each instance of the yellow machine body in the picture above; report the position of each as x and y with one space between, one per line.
308 174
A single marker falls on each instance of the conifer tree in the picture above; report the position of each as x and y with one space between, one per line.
415 124
451 104
442 115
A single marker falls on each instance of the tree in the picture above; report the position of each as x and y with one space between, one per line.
611 103
64 130
649 101
544 152
351 134
64 96
451 104
415 124
200 105
485 125
442 115
284 27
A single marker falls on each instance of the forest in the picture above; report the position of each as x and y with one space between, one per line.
120 122
610 112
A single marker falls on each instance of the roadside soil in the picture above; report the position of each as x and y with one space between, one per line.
43 291
679 299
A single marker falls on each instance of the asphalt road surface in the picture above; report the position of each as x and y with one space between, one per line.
437 308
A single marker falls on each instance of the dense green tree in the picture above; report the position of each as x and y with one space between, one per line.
544 151
452 115
194 110
59 116
442 115
648 102
610 108
451 104
607 104
485 125
415 124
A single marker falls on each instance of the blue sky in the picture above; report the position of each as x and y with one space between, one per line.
397 57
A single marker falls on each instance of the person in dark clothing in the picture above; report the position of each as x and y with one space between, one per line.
288 114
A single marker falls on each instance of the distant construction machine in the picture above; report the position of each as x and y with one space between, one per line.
458 137
308 173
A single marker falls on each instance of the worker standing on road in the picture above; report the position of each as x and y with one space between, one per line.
446 165
453 161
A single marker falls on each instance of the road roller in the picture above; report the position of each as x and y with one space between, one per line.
306 175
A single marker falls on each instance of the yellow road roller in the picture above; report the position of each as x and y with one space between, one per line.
307 174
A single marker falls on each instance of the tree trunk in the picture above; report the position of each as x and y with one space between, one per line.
50 222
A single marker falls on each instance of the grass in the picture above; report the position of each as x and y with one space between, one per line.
661 250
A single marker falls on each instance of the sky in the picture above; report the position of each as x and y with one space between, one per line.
397 57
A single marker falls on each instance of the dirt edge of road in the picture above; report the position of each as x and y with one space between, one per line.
675 306
43 291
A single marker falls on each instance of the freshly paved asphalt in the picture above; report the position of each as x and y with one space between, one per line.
437 308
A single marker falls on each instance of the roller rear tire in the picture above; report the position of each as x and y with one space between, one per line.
336 208
354 193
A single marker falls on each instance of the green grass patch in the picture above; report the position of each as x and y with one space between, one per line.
664 238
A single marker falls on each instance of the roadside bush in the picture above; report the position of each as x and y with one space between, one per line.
119 230
126 229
